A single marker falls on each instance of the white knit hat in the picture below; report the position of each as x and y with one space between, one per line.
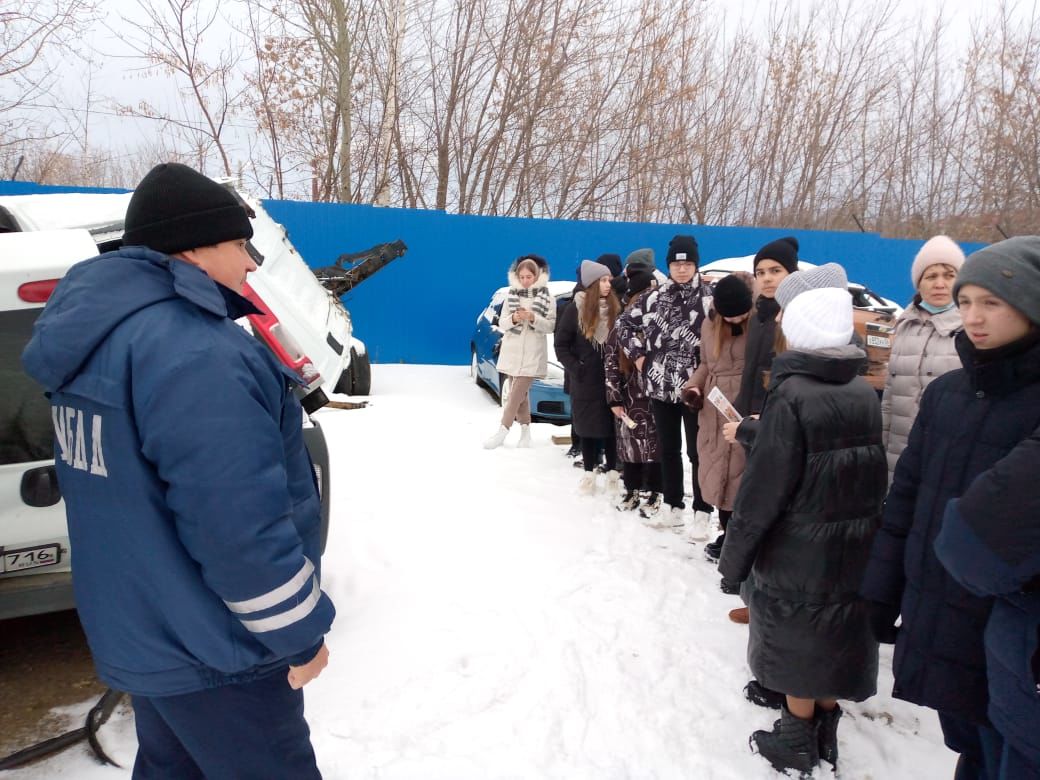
938 249
818 319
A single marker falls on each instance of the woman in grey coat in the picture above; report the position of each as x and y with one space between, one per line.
922 347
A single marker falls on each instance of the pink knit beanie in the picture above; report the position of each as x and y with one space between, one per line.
938 249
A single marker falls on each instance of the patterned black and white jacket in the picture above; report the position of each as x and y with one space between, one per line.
664 327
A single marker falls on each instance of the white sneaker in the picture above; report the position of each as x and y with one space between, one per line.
497 439
587 483
628 502
669 517
651 506
698 529
525 436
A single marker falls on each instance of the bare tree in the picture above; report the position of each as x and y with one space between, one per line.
171 39
30 32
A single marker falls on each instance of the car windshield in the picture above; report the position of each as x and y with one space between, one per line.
26 433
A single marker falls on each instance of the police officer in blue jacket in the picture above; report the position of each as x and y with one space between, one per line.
192 507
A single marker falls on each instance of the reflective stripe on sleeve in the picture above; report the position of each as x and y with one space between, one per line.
276 596
290 616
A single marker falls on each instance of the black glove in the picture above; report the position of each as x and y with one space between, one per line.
692 398
883 621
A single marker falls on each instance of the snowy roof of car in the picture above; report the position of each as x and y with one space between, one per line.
67 210
746 263
556 288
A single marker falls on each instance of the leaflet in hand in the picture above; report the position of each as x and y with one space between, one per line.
726 409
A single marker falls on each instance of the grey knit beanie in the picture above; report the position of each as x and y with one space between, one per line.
793 285
1010 270
592 272
644 257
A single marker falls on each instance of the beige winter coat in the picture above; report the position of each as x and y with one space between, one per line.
922 349
720 463
525 353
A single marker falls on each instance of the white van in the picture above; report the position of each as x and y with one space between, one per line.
310 330
34 539
35 558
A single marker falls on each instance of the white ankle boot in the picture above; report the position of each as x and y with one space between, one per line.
497 439
698 527
587 483
525 436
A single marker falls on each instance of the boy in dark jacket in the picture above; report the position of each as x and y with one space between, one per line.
191 501
990 544
969 419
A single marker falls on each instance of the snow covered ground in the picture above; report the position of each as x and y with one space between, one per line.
492 623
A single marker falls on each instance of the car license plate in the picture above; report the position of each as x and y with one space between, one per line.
879 341
31 557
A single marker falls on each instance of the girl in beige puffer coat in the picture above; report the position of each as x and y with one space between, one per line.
922 344
528 317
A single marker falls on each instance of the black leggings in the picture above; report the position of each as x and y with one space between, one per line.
590 449
672 420
724 516
642 476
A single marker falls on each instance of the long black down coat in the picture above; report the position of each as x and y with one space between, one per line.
587 382
808 507
969 419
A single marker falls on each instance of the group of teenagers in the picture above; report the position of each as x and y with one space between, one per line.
846 521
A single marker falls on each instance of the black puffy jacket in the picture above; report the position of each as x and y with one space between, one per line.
808 507
969 419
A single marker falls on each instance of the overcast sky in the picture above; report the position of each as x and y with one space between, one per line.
113 77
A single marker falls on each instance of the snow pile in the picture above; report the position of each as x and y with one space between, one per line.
492 623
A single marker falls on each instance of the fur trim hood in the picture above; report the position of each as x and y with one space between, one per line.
538 260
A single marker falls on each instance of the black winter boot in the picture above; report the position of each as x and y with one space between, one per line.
794 744
756 693
712 550
829 734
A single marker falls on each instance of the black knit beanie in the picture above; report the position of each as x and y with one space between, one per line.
639 278
732 296
611 261
175 208
683 248
783 250
1010 270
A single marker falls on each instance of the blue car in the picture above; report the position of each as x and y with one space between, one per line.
548 401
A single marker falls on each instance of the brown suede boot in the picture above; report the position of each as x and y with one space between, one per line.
739 615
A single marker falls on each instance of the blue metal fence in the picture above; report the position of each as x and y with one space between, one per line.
422 307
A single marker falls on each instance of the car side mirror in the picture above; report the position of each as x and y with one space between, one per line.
40 487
